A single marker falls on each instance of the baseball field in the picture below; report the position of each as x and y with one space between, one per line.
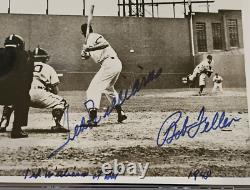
225 152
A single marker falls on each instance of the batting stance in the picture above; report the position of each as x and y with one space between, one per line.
202 70
43 92
16 67
104 80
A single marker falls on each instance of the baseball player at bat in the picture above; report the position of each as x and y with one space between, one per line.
43 92
104 80
202 70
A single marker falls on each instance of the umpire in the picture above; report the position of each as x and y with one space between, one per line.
16 72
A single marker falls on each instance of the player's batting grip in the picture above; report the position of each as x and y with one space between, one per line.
90 16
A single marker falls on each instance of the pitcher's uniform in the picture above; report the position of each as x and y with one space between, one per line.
44 76
201 71
217 83
105 79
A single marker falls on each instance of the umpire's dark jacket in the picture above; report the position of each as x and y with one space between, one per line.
16 73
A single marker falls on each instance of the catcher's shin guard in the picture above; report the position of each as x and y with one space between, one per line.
121 114
92 117
7 111
57 115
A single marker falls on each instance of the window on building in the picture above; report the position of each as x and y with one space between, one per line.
233 32
217 35
201 36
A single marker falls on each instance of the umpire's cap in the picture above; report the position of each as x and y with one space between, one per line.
15 41
41 54
84 29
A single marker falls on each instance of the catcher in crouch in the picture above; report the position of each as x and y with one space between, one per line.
43 92
202 70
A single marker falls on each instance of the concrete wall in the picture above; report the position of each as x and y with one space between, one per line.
230 65
157 43
221 17
229 62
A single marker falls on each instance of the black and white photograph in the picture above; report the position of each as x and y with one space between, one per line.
124 91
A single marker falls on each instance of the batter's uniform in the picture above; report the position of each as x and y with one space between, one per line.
217 83
106 77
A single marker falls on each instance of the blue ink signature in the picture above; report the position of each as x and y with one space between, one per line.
138 84
41 172
83 126
168 131
109 176
77 130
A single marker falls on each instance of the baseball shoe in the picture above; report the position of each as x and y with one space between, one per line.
18 133
121 118
91 123
59 129
4 122
189 81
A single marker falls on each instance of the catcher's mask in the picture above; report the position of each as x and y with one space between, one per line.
15 41
41 55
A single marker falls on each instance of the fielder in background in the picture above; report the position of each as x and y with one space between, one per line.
202 70
43 92
16 67
102 53
217 79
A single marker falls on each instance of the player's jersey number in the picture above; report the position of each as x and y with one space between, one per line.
38 68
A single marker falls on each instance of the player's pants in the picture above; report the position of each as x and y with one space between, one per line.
15 83
40 98
195 73
202 79
103 82
217 86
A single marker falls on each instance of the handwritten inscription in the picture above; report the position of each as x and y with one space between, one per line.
41 172
203 173
62 173
123 96
169 129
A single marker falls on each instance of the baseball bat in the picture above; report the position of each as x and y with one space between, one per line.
90 17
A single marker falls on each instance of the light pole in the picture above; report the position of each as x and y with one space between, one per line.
83 9
47 9
9 8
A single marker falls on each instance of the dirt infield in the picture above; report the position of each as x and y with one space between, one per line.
225 152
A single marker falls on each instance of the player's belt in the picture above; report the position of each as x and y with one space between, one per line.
105 59
38 87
